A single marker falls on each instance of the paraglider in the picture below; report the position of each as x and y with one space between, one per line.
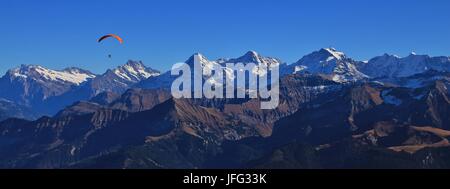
114 36
111 36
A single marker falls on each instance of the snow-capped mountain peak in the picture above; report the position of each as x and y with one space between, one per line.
200 57
33 84
250 56
206 64
69 75
331 62
394 66
134 71
323 56
254 57
332 52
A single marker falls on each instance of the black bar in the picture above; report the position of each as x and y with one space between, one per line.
273 178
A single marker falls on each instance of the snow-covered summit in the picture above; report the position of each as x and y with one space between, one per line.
35 72
254 57
333 52
395 66
134 71
331 62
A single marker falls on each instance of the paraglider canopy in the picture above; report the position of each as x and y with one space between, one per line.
111 36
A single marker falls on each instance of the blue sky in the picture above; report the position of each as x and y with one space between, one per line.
63 33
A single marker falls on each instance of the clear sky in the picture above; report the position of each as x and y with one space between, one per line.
63 33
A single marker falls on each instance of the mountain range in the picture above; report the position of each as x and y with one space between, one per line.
334 112
45 91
